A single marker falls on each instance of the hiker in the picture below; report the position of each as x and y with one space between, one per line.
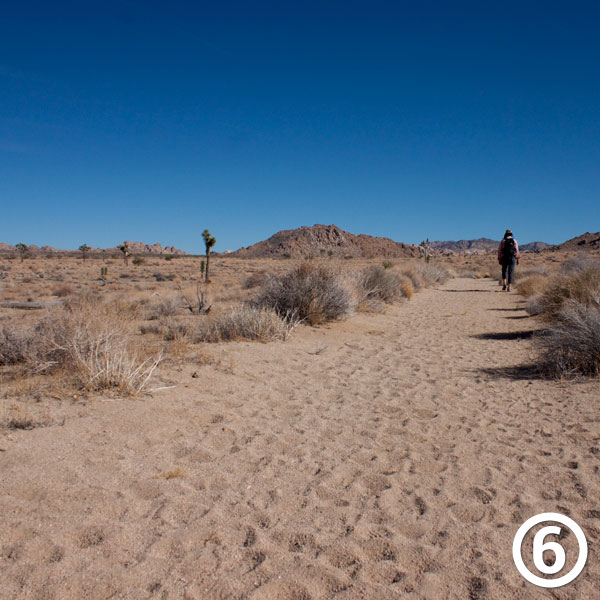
508 255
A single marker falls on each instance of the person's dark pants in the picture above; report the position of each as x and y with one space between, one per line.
508 269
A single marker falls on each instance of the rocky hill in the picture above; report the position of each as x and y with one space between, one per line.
134 248
586 241
325 240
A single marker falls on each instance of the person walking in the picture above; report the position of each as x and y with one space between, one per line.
508 256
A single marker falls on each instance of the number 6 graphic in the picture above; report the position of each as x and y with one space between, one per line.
539 547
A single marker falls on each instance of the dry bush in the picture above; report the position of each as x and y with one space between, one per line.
532 285
312 293
382 284
432 273
572 345
167 307
87 339
407 289
580 284
62 291
248 323
255 279
18 345
415 278
533 306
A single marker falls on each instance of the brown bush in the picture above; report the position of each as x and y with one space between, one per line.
571 346
532 285
311 293
247 323
89 341
581 284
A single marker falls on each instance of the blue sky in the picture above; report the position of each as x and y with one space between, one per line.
152 121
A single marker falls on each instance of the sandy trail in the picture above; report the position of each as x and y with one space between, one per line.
389 456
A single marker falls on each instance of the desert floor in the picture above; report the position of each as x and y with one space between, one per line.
387 456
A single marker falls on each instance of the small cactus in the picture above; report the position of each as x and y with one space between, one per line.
103 273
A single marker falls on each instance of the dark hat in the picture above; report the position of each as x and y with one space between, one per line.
508 232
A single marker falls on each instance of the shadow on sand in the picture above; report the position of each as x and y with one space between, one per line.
507 335
465 291
516 373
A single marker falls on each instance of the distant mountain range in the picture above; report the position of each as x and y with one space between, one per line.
331 240
483 245
134 248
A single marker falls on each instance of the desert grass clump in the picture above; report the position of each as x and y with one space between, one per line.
571 346
18 346
532 285
581 284
93 343
167 307
382 284
311 293
88 341
254 280
432 273
414 277
248 323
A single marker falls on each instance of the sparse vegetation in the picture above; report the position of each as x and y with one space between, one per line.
571 345
311 293
86 339
382 284
248 323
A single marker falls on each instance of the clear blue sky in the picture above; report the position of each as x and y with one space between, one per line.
151 121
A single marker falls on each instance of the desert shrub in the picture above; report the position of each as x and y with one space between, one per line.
312 293
92 342
248 323
381 284
87 340
407 289
254 280
577 264
138 260
414 277
579 284
571 346
167 307
532 285
432 273
161 277
533 306
387 264
62 291
18 345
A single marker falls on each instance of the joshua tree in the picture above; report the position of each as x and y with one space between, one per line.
426 245
22 248
209 242
124 248
84 249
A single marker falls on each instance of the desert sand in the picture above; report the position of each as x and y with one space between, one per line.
387 456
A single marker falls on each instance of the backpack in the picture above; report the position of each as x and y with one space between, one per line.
508 252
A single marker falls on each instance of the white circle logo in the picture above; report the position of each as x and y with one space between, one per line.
539 547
